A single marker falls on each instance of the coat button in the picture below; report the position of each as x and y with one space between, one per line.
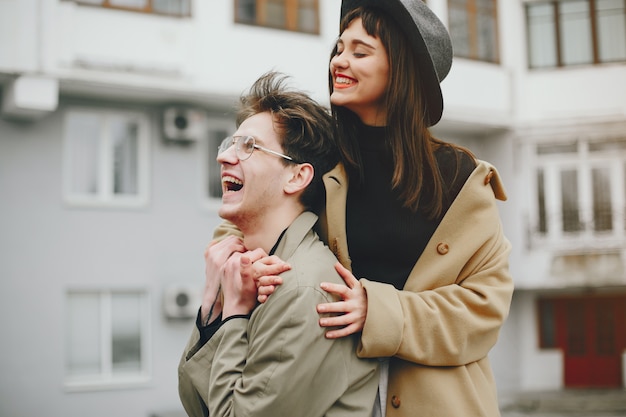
489 177
443 248
395 401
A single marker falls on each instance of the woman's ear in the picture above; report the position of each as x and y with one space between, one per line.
301 177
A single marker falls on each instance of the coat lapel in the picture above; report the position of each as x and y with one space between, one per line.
469 221
333 220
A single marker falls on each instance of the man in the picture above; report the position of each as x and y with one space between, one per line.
273 360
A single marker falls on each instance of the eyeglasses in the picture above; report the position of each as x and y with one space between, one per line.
245 145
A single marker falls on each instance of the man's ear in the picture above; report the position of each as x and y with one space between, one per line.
301 177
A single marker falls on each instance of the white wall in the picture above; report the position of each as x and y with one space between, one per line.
47 248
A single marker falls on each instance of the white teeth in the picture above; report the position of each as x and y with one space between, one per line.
230 179
343 80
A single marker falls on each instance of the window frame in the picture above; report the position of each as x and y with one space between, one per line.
472 15
558 47
291 16
106 378
105 197
584 161
147 9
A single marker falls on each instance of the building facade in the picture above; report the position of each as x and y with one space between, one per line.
111 114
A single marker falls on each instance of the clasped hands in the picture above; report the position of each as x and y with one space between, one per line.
237 278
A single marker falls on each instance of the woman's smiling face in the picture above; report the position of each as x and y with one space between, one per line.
360 73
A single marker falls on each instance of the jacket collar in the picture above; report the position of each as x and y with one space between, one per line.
294 234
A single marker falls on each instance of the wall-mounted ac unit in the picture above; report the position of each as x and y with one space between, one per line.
182 123
181 301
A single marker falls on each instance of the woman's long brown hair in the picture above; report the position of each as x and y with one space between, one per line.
416 175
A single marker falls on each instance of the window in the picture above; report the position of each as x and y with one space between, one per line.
474 29
547 323
576 32
212 181
107 338
106 158
581 192
163 7
294 15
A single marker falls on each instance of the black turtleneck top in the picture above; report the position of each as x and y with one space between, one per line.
385 240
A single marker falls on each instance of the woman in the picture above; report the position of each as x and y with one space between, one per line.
418 223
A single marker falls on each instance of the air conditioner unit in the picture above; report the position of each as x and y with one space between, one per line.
181 301
184 124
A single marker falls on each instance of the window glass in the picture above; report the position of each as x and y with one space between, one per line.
136 4
569 197
486 31
124 135
609 145
557 148
172 7
126 332
547 324
294 15
276 13
602 205
474 29
541 202
307 16
562 32
107 333
459 28
246 11
581 195
611 15
542 35
83 131
106 157
165 7
575 32
214 180
83 335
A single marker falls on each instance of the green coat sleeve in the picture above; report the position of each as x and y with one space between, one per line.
279 363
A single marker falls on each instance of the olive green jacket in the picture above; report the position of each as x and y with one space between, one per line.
277 362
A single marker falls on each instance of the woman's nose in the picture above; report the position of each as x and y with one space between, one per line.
338 61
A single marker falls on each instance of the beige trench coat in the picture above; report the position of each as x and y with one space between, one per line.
439 329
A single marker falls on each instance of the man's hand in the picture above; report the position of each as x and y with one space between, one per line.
239 292
215 256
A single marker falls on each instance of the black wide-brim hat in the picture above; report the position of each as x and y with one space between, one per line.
431 43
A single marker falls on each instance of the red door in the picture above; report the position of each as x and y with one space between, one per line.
591 332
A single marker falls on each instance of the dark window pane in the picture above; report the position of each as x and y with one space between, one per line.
569 199
541 203
547 324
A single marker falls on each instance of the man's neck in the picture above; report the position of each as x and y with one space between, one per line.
264 234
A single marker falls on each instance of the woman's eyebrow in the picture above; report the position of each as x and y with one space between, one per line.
356 42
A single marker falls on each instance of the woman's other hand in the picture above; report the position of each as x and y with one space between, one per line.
264 270
351 311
